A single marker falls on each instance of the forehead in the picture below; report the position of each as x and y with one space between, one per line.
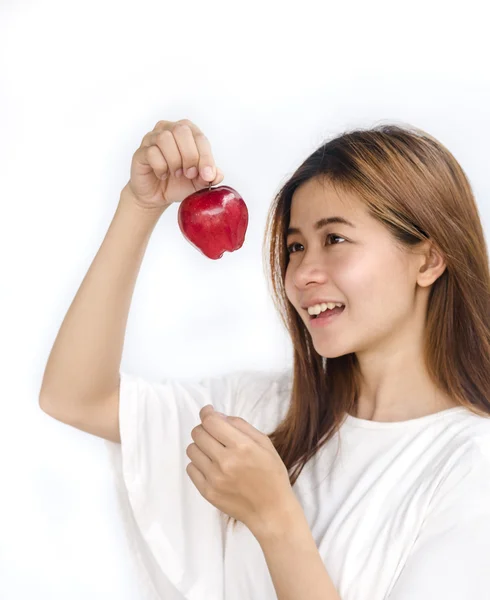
316 199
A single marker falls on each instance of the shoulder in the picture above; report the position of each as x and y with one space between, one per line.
473 440
479 441
466 468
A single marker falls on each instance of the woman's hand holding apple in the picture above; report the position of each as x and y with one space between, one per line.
171 166
171 147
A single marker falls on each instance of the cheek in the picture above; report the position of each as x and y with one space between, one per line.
361 278
288 285
354 277
377 285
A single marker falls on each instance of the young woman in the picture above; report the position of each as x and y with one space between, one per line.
364 471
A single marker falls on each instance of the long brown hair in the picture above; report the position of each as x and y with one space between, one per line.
415 187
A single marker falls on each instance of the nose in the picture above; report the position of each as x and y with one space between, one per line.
310 270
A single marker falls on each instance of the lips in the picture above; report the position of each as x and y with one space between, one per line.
329 312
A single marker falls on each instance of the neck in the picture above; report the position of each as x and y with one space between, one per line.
395 386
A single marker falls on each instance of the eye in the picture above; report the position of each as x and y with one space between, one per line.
330 235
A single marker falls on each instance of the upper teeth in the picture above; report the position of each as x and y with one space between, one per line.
318 308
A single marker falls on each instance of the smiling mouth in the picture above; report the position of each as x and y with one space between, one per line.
329 313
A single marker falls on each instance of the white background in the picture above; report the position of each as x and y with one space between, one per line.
80 85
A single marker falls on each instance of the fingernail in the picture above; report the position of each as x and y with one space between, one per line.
220 414
208 173
178 173
192 172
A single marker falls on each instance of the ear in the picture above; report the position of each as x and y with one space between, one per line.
433 265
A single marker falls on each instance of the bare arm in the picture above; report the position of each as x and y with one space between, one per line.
295 565
81 381
83 365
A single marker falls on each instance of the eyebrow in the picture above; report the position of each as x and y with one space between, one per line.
321 224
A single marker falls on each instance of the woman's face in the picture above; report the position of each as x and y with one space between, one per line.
357 265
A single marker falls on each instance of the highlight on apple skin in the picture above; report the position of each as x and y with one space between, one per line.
214 220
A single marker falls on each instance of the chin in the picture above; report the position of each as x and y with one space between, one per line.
333 354
332 350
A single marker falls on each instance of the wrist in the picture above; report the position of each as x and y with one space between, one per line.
282 521
128 201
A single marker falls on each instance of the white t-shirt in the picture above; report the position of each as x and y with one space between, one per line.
403 514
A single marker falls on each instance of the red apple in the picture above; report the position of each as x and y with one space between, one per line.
214 220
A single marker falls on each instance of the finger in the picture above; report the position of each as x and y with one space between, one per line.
207 410
206 158
203 148
146 161
199 458
248 429
197 478
201 184
219 177
157 162
166 142
223 431
150 154
188 150
206 442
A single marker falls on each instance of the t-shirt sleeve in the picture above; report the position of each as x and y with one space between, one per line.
450 558
182 530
